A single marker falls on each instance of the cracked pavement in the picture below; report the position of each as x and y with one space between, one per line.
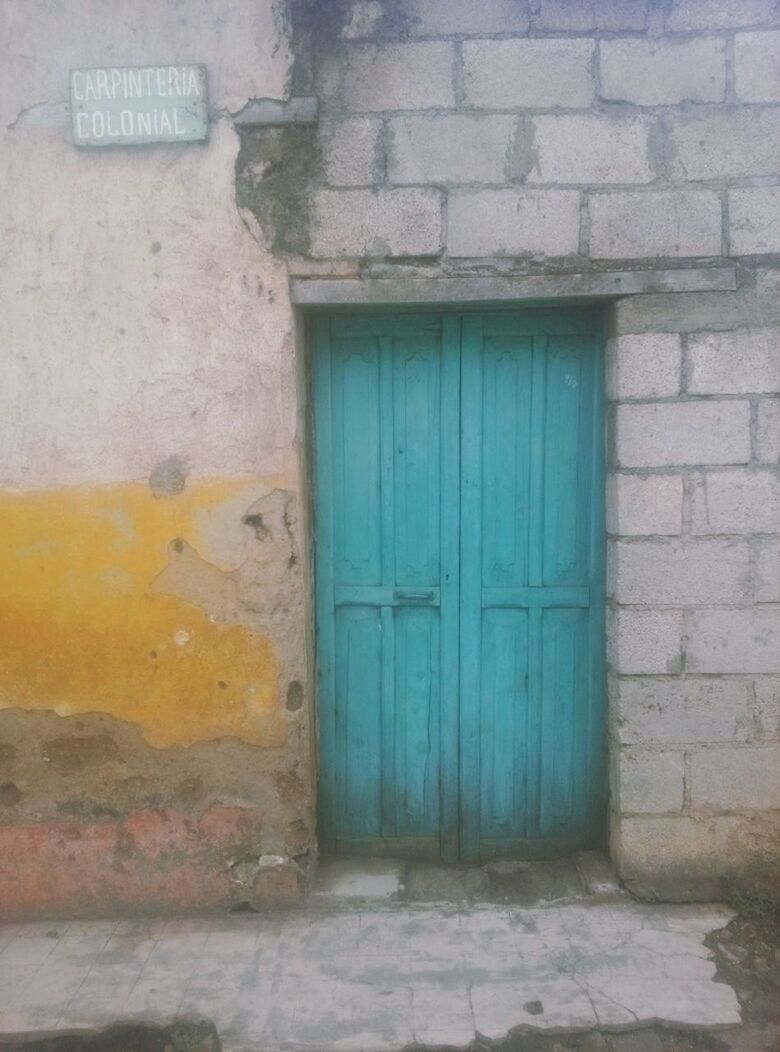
362 976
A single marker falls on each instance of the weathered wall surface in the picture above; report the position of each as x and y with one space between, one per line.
495 136
153 732
155 702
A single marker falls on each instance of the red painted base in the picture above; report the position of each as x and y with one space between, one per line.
152 861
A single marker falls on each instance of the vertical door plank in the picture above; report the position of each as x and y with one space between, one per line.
535 578
470 583
450 588
505 510
414 545
385 758
566 796
357 443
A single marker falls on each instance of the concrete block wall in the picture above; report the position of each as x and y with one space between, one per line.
499 136
591 131
694 543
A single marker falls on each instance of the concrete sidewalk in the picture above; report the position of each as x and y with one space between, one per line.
359 972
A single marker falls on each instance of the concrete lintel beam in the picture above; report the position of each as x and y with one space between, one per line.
302 109
322 292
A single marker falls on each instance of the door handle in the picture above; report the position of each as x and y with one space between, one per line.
413 595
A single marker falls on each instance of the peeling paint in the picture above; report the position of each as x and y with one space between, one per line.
106 605
155 858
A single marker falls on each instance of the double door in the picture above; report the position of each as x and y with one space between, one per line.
459 578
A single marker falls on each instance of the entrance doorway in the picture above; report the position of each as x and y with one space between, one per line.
460 583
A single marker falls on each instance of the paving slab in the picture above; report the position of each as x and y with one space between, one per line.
358 880
372 978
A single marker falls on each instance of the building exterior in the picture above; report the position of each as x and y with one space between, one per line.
416 436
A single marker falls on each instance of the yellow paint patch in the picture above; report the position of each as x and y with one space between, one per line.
82 631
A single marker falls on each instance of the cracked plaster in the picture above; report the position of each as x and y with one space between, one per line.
148 388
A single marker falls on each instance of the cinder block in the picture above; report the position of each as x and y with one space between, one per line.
464 17
402 222
350 149
682 711
735 779
573 148
746 361
414 75
582 15
453 148
677 846
671 223
663 72
644 365
513 223
735 641
683 433
503 74
645 641
767 694
720 14
757 66
651 505
768 568
682 573
736 501
724 144
649 782
768 431
755 302
754 220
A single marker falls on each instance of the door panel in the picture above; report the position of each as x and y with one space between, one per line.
383 459
506 434
503 730
358 727
527 671
568 396
460 583
356 421
563 774
417 707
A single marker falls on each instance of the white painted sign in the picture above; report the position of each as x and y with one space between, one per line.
124 106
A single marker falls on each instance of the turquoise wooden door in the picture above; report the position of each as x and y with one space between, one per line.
459 561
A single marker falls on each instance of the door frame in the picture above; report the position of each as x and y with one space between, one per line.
451 313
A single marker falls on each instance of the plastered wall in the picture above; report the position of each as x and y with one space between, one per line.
153 731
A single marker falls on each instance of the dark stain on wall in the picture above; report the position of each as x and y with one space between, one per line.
169 477
276 170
